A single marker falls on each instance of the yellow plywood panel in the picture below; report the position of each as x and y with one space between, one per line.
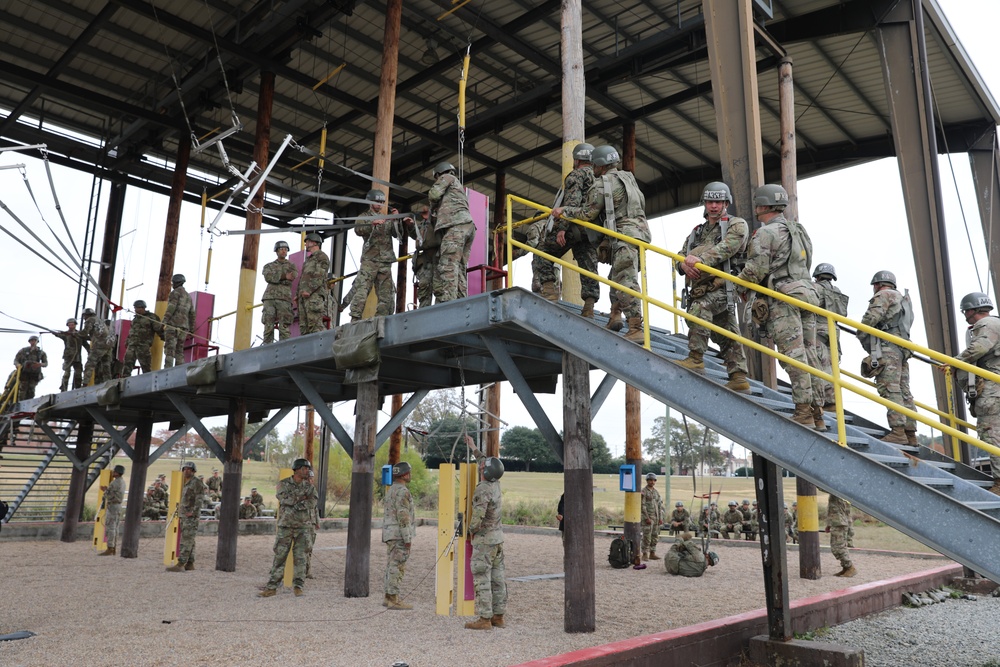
100 538
173 538
445 569
465 599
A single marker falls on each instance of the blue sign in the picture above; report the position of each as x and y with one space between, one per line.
628 480
387 475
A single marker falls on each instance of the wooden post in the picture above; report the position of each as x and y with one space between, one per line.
77 481
307 449
772 547
359 523
574 89
163 284
232 484
492 397
136 489
251 242
810 565
789 167
578 555
109 250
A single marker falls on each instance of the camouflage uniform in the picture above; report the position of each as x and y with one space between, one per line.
630 220
313 308
139 342
710 521
113 497
749 521
178 322
151 507
214 486
248 511
731 524
893 380
653 512
277 299
454 221
680 520
95 331
838 514
31 360
708 297
377 260
110 364
982 349
257 501
577 185
296 502
189 512
834 300
425 257
487 550
686 559
398 531
769 264
793 525
72 355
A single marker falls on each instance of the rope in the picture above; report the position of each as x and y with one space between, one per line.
55 199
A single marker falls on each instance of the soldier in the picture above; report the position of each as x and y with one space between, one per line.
779 258
838 515
449 207
748 519
189 512
680 519
629 218
716 519
97 334
140 339
159 493
214 485
178 322
31 360
732 522
257 500
714 243
377 259
982 350
312 287
162 479
151 507
114 494
72 355
398 530
653 513
277 309
313 527
487 564
834 300
891 312
297 500
687 559
421 228
793 525
247 510
565 236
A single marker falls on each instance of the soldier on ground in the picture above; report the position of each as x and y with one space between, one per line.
151 505
449 207
425 257
189 513
398 531
73 344
834 300
732 522
625 215
377 259
313 528
178 322
277 300
653 513
140 340
685 558
838 515
247 510
487 562
162 479
114 495
257 500
31 360
214 485
297 500
891 312
714 243
748 519
793 524
312 287
680 519
96 333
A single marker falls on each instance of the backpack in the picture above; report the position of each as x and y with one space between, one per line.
620 556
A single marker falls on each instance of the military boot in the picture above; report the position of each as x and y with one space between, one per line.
635 333
387 601
176 568
653 556
615 322
189 565
848 571
549 291
110 551
479 624
818 422
497 621
267 593
803 414
299 592
830 407
396 603
911 437
896 436
737 381
588 309
645 556
695 361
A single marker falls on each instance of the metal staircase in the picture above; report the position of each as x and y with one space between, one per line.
35 473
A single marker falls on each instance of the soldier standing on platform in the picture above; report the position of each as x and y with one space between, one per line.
178 322
114 495
72 355
453 220
312 287
277 309
830 298
398 530
297 498
189 513
31 360
140 340
377 260
487 562
425 257
95 332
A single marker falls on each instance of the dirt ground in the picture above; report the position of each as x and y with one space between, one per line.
90 610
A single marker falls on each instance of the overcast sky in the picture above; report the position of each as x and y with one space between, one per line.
855 217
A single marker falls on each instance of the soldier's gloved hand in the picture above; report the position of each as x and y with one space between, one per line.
828 529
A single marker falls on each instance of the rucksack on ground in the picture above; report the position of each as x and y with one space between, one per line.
621 555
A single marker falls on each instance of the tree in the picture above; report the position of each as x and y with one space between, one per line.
446 437
600 455
690 445
526 444
189 446
434 407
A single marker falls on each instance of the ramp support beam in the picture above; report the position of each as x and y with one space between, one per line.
136 489
77 482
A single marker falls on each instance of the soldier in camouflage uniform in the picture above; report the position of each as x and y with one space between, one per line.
95 332
31 360
312 287
834 300
214 485
140 339
453 221
398 530
114 495
685 558
421 228
714 243
247 510
178 322
886 312
710 522
377 260
793 525
257 500
628 204
486 530
838 514
566 236
732 522
653 513
779 258
189 513
72 355
680 519
982 350
277 300
313 528
151 507
297 498
749 519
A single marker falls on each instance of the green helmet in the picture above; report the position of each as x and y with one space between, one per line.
650 475
825 269
746 501
678 504
70 321
33 338
717 191
120 469
139 304
711 558
189 464
733 503
771 194
583 152
976 301
376 196
492 469
314 237
605 156
301 463
884 277
443 168
88 312
281 244
178 279
400 469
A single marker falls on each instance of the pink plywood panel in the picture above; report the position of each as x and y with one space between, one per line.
479 206
200 344
121 329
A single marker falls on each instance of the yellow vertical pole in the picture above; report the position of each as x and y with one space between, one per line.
510 246
444 574
838 395
465 602
172 542
289 578
956 451
100 539
121 299
677 300
645 301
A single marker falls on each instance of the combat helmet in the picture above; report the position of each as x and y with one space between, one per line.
825 269
375 196
189 464
733 503
583 152
33 337
314 237
178 279
716 191
301 463
650 475
492 469
70 321
139 304
605 156
772 195
443 168
679 504
120 469
400 469
712 558
88 312
976 301
281 244
884 277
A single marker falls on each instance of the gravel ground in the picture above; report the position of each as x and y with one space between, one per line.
89 610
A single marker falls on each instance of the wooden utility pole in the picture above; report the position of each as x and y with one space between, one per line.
163 284
359 524
136 488
251 242
77 480
492 397
109 250
232 483
578 502
574 91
